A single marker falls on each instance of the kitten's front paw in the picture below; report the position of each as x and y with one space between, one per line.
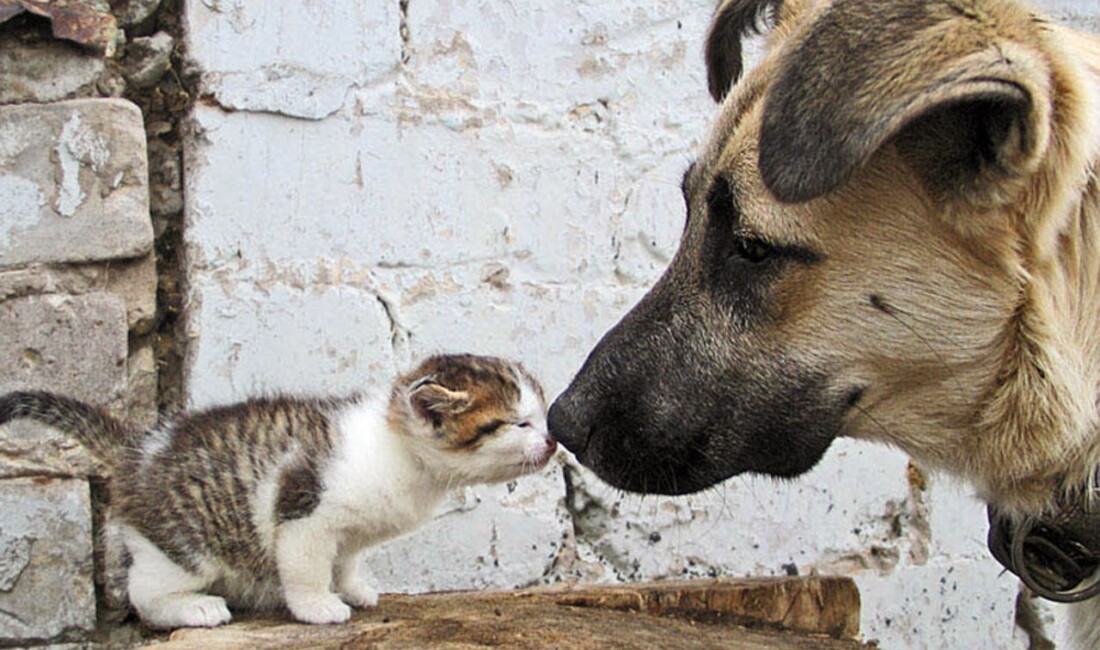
359 595
200 611
320 609
209 611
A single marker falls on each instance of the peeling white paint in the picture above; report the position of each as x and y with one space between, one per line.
12 141
73 182
298 59
77 146
281 88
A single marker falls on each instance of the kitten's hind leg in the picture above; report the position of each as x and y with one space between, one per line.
305 551
353 588
165 594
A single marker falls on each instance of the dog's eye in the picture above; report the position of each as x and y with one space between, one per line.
752 250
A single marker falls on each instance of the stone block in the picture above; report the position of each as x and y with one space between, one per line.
46 588
32 449
134 281
133 12
75 345
46 71
73 182
148 59
141 387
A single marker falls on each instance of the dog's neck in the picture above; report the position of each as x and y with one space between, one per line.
1064 393
1050 371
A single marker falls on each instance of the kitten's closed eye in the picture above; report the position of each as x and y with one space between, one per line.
492 426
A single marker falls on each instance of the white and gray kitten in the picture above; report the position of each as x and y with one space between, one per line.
270 501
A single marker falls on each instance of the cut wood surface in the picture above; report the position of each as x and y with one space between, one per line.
752 614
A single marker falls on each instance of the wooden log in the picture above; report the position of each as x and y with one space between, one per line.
753 614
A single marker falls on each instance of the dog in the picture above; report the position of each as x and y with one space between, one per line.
892 233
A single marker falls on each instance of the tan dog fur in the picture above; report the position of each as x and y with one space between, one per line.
1000 386
940 158
995 281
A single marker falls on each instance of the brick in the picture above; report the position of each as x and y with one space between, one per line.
493 196
957 604
301 60
73 182
46 71
249 339
46 588
75 345
570 54
30 449
492 534
134 281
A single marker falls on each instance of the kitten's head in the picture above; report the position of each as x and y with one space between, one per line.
485 417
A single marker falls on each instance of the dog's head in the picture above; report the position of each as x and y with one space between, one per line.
871 232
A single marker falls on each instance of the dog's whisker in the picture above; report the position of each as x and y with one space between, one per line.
894 312
876 421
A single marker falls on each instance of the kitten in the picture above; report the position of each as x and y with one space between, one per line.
271 500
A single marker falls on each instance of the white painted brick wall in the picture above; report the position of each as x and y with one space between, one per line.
512 188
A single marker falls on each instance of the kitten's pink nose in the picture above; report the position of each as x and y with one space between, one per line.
551 445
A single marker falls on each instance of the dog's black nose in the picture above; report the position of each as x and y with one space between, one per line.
564 426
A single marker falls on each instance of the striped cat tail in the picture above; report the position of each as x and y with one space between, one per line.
102 434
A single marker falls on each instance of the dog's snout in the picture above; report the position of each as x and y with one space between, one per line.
566 427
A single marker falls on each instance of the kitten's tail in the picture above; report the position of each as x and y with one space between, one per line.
101 434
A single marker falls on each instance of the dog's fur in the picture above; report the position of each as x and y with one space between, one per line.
893 233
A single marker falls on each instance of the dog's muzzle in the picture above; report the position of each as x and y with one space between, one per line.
573 435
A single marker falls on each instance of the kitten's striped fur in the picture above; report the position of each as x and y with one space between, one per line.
269 501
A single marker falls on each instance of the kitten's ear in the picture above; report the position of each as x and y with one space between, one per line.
432 400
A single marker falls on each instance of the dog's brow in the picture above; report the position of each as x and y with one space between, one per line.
724 204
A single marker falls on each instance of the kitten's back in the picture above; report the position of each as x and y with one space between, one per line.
201 484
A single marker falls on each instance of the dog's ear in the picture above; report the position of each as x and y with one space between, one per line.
733 20
967 105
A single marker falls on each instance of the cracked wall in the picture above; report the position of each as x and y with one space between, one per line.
369 182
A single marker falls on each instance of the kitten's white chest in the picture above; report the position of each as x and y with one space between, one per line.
374 487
